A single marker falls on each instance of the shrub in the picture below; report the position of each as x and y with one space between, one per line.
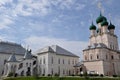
101 75
72 75
43 74
10 74
49 75
114 75
80 75
56 74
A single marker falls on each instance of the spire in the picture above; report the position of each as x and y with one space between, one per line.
12 58
28 54
100 13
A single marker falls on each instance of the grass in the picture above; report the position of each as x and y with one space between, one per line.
59 78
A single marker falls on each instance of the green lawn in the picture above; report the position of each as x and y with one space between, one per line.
59 78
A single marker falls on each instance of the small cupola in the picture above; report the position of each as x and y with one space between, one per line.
92 27
111 26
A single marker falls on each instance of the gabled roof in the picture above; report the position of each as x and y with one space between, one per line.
57 50
12 58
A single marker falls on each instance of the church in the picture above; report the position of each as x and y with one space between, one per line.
102 56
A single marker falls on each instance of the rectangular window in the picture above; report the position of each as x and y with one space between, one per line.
52 60
63 61
58 61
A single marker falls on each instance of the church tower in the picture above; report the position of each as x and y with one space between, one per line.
102 56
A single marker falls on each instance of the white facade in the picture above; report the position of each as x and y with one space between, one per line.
51 62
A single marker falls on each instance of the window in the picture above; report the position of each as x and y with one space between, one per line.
91 57
34 62
68 61
59 61
44 61
85 57
112 57
52 60
52 71
59 70
27 64
44 71
72 61
40 61
20 65
63 61
110 46
30 64
97 56
63 71
106 57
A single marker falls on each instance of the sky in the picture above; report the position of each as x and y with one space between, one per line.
41 23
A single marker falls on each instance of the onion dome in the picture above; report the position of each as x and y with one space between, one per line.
104 23
100 19
111 26
92 27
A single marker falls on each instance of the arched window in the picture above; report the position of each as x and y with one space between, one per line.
97 56
91 56
34 62
85 57
112 57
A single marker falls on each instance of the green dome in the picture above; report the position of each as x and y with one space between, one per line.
104 23
111 26
92 27
100 19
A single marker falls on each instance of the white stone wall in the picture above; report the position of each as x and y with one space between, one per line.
65 66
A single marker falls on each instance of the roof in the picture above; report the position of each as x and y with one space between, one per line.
56 49
12 58
78 64
9 48
96 45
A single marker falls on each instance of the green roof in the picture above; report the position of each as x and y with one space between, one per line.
104 23
92 27
111 26
100 19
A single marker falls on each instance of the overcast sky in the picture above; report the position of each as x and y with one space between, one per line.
39 23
